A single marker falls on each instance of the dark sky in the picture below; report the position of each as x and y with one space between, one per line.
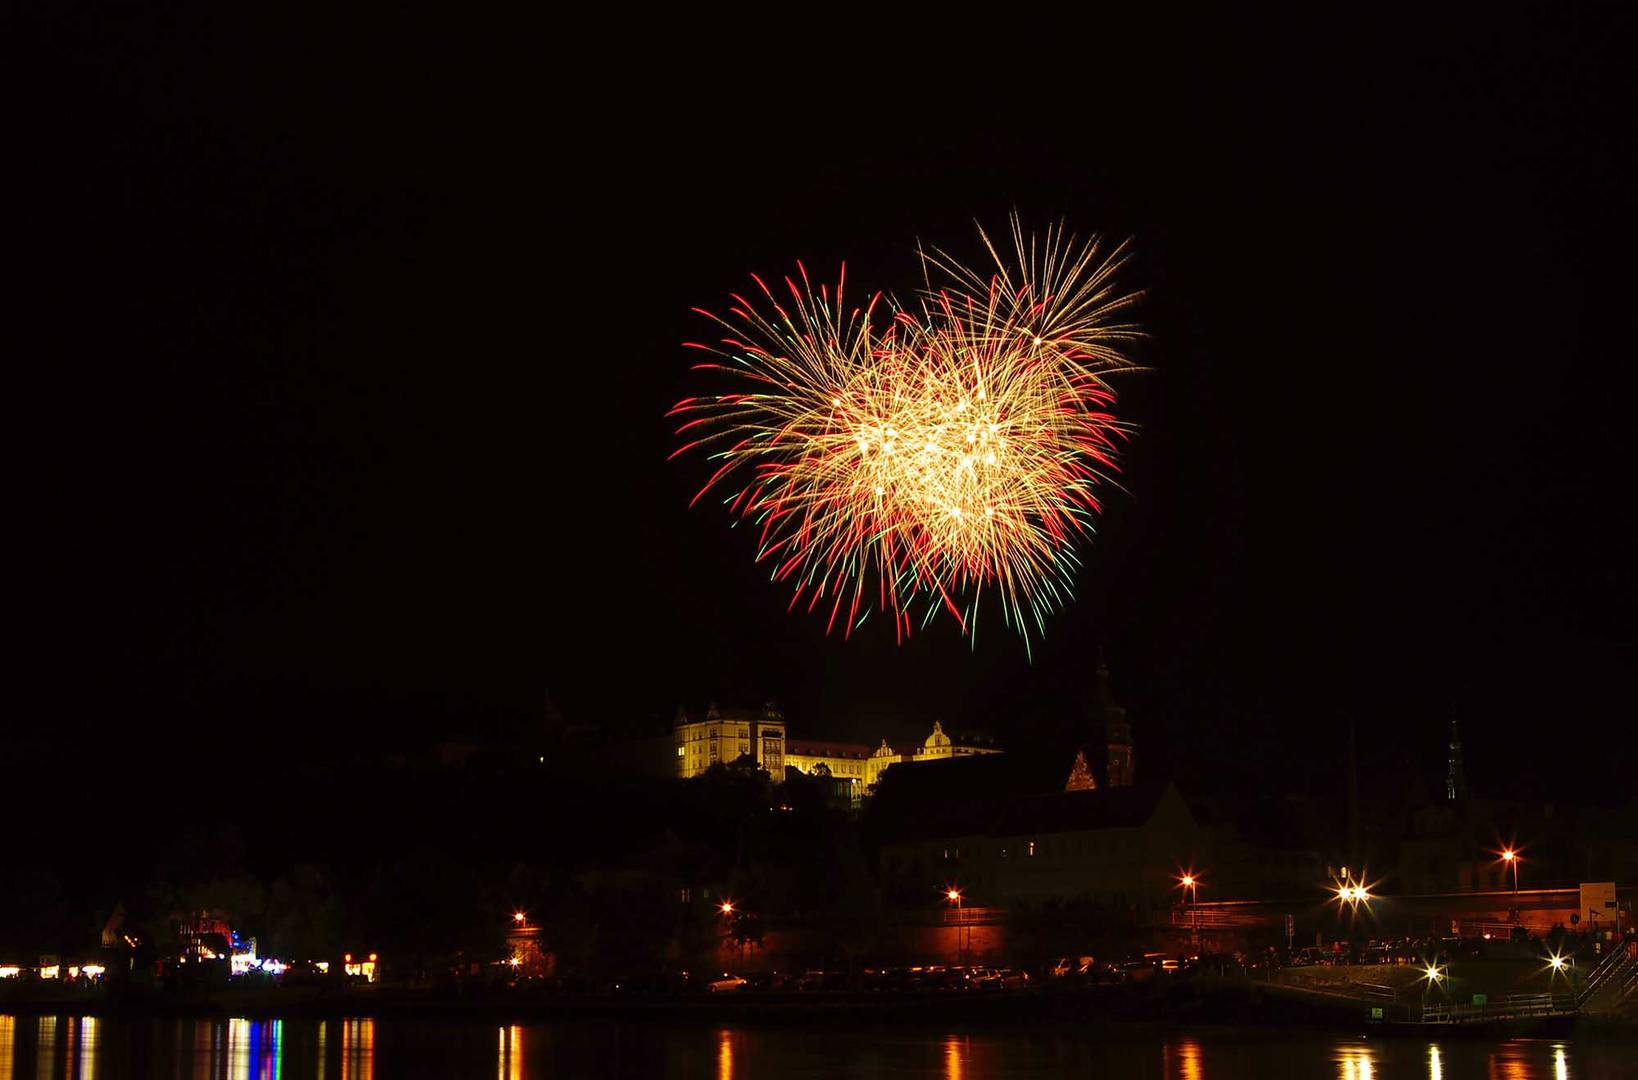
341 352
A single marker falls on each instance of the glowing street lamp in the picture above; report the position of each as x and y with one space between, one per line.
953 895
1511 857
1432 975
727 907
1191 889
1351 890
517 917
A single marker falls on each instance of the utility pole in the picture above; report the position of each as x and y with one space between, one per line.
1354 853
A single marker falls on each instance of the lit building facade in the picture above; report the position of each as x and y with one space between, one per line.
839 760
862 765
723 736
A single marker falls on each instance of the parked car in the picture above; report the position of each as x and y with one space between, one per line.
727 984
1013 979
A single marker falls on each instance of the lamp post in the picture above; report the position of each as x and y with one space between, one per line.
1511 857
954 897
1191 885
727 909
1432 975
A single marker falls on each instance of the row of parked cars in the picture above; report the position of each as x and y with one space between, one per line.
1134 968
1388 951
929 977
938 977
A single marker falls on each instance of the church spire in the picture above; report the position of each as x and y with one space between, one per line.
1117 733
1455 774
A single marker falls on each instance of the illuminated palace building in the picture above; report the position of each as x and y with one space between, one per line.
726 735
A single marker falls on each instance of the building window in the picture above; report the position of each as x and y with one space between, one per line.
680 751
685 894
1032 849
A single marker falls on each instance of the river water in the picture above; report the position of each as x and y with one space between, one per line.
40 1047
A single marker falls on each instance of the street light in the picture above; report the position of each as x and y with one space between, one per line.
1511 857
1191 886
517 917
728 914
954 896
1432 977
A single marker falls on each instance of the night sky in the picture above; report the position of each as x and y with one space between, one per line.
340 356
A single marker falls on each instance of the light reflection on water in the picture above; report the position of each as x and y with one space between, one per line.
86 1048
725 1055
358 1050
1358 1062
510 1066
1188 1060
45 1037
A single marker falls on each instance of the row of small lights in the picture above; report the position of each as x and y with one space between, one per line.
1350 891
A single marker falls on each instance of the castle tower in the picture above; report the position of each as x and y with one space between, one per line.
1455 774
1117 733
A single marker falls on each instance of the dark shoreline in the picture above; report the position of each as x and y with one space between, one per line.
1231 1006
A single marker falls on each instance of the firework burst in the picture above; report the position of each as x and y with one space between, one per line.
912 459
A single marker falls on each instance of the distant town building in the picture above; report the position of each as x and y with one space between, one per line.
725 735
722 737
1011 831
1117 846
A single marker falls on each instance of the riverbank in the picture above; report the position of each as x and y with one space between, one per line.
1202 1001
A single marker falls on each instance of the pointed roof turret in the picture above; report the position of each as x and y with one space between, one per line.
1455 771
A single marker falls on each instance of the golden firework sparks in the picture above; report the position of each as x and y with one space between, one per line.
911 459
